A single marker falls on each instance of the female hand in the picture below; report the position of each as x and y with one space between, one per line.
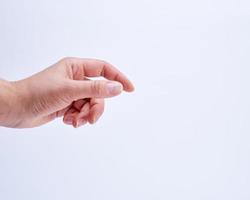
63 89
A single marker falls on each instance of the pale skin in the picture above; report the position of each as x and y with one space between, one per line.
65 90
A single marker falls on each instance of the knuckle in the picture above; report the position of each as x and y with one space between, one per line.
69 91
96 88
67 60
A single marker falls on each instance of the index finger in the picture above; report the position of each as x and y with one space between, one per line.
95 68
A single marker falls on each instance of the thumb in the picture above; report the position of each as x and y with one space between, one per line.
96 89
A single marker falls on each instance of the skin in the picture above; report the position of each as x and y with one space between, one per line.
62 90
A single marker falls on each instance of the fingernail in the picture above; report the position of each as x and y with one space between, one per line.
68 121
80 122
75 123
114 88
95 119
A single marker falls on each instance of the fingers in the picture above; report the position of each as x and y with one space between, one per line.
96 110
83 111
76 113
95 68
95 89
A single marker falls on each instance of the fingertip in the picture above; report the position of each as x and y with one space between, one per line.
67 121
74 124
96 113
81 122
129 88
132 88
127 84
91 121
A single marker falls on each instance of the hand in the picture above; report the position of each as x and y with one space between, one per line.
64 89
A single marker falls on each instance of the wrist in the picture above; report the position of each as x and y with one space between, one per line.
10 104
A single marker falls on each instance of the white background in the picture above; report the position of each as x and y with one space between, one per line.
184 133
